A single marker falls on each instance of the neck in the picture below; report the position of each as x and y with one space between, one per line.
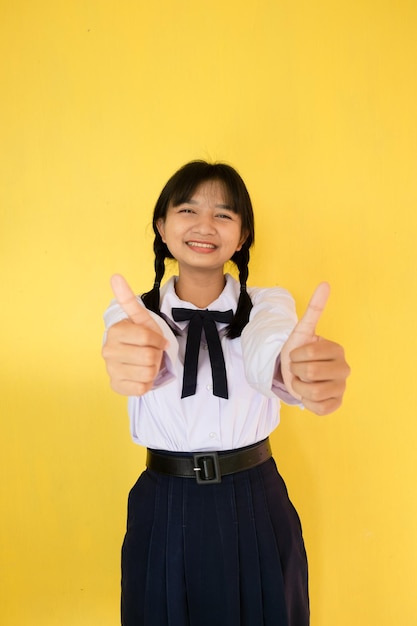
200 290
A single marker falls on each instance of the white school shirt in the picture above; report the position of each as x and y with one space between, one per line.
161 419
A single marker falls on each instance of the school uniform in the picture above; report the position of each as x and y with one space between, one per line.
211 548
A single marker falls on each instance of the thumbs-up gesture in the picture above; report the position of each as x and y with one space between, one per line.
134 347
314 369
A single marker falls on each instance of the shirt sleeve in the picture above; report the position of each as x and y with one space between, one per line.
115 314
271 322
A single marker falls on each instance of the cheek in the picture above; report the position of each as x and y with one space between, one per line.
170 235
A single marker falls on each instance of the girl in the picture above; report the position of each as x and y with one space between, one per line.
212 538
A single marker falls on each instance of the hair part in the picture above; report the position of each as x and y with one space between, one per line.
180 188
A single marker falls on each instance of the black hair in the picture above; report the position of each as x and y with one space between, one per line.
180 188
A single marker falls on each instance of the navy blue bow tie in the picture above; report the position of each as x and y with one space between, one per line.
206 319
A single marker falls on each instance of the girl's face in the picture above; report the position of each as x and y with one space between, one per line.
203 232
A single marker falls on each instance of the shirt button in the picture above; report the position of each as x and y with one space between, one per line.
213 435
205 346
209 387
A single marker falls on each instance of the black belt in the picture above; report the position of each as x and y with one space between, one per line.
209 467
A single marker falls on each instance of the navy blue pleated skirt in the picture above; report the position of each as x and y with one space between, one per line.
227 554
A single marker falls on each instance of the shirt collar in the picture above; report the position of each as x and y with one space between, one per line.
169 299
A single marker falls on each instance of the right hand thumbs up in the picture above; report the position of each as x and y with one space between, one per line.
128 301
134 347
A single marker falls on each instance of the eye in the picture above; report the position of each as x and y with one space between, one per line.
185 210
224 216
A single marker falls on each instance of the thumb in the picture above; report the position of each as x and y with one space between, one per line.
127 300
307 324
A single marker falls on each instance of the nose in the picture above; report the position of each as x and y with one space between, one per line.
205 225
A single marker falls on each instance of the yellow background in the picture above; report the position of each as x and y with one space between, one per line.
315 103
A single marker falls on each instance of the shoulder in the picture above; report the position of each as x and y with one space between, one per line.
271 296
257 294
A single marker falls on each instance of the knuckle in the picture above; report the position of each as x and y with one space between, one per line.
322 408
329 406
316 394
149 357
110 370
141 388
106 352
147 376
310 350
311 371
116 386
116 329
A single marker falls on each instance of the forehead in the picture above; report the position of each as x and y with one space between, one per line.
212 190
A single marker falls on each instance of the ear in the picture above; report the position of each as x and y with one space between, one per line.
242 240
160 224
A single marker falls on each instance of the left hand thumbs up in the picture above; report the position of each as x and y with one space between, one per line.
314 369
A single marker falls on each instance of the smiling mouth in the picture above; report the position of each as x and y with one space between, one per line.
197 244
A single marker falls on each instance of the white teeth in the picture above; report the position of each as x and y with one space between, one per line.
196 244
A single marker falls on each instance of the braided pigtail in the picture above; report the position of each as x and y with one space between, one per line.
244 304
151 299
